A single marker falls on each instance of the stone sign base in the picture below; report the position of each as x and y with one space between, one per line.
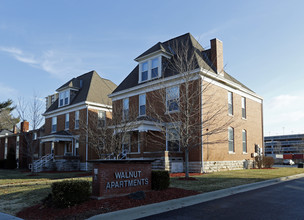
118 177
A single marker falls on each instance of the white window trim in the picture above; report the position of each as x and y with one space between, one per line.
54 122
139 104
67 115
62 96
231 152
229 92
245 102
244 152
149 61
77 119
178 103
124 118
101 118
167 138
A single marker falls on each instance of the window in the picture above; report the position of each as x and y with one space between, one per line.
5 147
17 147
173 139
142 105
101 119
172 97
144 71
154 68
125 111
150 69
230 103
76 119
126 144
54 124
231 139
77 146
64 98
67 121
35 136
243 107
244 137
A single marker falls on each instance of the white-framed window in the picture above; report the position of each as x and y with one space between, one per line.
76 119
68 151
67 121
5 148
144 71
64 98
125 111
35 136
172 99
150 69
142 104
154 68
101 122
126 143
54 124
77 147
243 107
17 147
230 103
172 139
244 140
231 139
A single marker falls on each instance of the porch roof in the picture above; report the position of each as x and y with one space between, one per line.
140 126
58 136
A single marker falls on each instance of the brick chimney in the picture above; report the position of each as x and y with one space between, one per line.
25 126
217 55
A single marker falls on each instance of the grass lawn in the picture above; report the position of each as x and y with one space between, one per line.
19 189
221 180
22 189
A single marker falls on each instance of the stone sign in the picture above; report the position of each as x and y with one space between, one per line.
117 177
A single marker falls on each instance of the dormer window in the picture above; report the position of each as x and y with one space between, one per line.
64 98
154 69
144 71
150 69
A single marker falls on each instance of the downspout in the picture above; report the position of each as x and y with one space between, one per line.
202 130
87 139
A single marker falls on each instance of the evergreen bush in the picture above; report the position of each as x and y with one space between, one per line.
70 192
160 180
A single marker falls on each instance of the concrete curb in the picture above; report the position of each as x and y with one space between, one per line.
156 208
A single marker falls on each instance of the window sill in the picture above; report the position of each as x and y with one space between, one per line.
230 152
245 153
171 112
244 119
230 115
134 153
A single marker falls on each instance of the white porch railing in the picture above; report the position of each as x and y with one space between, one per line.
38 165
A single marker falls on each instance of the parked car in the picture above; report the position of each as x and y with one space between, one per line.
288 162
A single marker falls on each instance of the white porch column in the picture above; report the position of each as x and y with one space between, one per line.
53 150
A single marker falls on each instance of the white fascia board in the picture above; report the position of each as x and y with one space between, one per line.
95 105
220 81
150 86
76 107
140 126
154 54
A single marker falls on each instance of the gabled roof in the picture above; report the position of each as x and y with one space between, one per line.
202 59
92 88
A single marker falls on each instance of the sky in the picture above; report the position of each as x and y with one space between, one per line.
45 43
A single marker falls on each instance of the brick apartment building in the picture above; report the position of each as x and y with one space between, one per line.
24 144
80 103
228 116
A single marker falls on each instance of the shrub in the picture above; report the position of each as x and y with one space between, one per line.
160 180
268 162
11 162
2 164
259 161
68 193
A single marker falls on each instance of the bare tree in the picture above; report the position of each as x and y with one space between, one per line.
107 135
188 110
33 112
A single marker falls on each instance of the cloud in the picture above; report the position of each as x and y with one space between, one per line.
284 111
60 64
19 55
7 92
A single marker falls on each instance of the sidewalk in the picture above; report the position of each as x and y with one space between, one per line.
156 208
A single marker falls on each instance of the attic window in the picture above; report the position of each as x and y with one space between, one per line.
64 98
150 69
